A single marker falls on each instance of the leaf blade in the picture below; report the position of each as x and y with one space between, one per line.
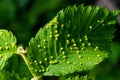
73 29
7 47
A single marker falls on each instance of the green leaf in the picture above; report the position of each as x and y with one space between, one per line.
5 75
73 78
73 32
76 78
16 64
7 47
76 62
83 78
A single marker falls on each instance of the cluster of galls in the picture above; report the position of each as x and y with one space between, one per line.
6 44
47 57
73 45
79 47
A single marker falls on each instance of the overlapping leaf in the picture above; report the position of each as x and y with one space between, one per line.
74 32
77 78
5 75
7 47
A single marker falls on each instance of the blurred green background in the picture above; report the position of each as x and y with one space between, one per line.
25 17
